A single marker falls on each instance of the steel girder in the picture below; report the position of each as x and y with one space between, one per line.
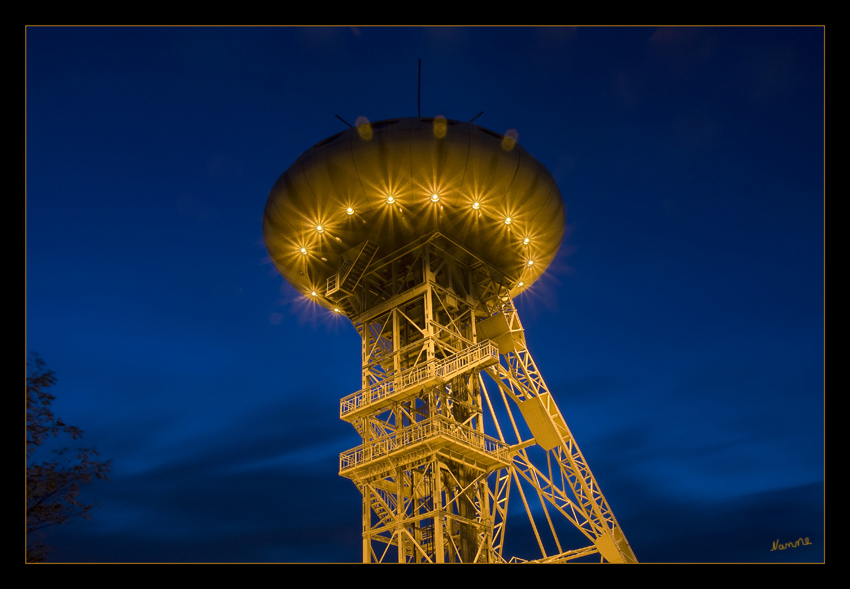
435 486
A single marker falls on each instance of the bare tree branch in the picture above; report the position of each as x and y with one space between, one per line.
53 488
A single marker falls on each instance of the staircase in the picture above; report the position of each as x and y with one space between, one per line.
358 267
385 517
353 264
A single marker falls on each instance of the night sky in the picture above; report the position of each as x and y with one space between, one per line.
680 328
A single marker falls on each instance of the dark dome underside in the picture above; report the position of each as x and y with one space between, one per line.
464 184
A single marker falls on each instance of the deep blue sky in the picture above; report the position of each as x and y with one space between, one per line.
680 328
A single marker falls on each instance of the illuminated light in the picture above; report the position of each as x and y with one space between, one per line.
476 205
525 241
510 139
363 127
303 250
520 284
531 262
319 228
507 220
435 197
440 127
390 199
336 310
349 210
314 293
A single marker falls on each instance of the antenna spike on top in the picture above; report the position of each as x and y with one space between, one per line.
343 120
419 91
476 116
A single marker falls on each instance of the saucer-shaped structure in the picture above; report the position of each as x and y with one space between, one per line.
396 181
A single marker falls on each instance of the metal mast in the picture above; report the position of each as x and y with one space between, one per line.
436 466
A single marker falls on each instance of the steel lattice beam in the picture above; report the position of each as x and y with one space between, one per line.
435 467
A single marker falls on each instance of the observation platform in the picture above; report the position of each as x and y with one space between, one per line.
435 433
414 380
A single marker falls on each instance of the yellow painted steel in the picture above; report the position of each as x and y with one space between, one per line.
421 231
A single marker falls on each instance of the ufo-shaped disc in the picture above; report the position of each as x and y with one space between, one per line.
388 173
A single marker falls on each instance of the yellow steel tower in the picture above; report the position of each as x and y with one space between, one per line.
421 231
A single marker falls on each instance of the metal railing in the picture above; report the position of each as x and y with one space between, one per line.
444 369
421 431
332 284
459 362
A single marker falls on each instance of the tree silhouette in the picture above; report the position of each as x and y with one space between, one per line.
53 486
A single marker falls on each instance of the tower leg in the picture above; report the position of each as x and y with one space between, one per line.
439 514
435 486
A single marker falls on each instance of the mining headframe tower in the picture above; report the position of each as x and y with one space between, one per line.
422 231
